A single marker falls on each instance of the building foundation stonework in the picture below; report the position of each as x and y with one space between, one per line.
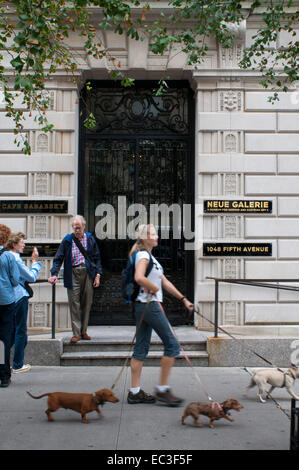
246 149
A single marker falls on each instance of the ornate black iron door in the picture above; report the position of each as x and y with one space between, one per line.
136 168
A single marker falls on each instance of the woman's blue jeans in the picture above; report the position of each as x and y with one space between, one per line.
6 327
154 319
20 332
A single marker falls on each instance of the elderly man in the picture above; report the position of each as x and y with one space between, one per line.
82 272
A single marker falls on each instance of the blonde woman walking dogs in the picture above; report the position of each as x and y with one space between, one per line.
153 318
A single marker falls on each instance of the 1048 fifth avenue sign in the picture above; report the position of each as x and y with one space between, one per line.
237 206
237 249
33 207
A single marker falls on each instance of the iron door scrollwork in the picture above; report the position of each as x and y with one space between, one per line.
140 150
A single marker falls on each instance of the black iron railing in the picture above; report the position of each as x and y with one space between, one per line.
53 311
249 282
294 433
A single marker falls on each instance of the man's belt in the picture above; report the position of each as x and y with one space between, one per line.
78 265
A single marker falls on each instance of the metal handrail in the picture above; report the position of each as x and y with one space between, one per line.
249 282
53 322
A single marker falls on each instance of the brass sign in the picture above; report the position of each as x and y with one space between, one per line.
44 249
33 207
237 249
237 206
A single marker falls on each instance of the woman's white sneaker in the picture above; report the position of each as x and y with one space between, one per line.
24 368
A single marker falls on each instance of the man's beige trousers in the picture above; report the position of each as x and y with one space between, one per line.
80 300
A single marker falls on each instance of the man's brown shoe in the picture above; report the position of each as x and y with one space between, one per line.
74 339
85 336
168 398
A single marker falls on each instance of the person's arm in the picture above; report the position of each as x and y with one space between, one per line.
172 290
13 270
141 279
57 262
28 274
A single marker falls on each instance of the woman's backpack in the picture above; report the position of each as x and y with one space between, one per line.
130 288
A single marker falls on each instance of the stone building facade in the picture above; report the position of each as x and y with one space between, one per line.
245 149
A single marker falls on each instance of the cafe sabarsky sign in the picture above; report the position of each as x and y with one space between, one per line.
33 206
220 206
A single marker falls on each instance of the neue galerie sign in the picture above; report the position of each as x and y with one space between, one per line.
33 207
237 206
237 249
220 205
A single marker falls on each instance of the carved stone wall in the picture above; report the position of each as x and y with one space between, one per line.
245 147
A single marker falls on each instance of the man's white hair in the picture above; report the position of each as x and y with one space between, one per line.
79 217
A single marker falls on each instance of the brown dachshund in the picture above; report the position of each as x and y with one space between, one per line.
81 402
213 410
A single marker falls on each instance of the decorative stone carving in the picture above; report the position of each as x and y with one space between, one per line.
230 227
39 314
50 95
230 143
40 226
230 268
230 313
231 56
52 100
230 184
42 144
41 183
230 100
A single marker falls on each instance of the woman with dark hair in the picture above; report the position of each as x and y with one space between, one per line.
16 246
9 278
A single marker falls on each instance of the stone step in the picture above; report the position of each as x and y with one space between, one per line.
117 345
118 358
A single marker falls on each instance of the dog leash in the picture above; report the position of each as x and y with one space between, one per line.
236 339
148 299
251 350
188 360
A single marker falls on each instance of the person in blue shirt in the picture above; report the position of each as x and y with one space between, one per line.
16 246
9 278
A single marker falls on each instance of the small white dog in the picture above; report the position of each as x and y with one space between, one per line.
276 378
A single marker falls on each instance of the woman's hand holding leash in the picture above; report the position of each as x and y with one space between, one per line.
172 290
189 305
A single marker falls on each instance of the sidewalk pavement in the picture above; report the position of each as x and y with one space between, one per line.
124 427
122 333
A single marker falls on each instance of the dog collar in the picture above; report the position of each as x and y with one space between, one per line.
291 373
220 408
95 398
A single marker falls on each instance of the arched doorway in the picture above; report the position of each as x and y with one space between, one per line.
141 152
